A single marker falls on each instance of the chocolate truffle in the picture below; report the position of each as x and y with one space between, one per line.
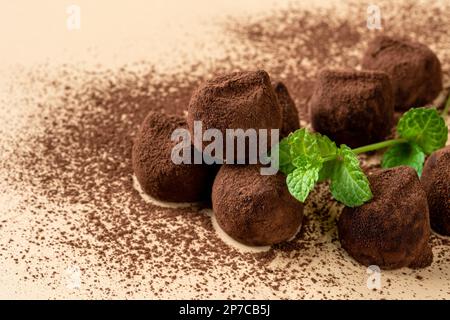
436 182
255 209
392 230
240 100
289 111
352 107
414 69
158 176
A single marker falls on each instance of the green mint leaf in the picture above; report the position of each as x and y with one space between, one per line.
425 127
302 180
303 142
300 143
306 157
284 156
408 154
327 170
304 161
349 184
327 148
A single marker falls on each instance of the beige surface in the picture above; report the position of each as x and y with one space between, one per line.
114 33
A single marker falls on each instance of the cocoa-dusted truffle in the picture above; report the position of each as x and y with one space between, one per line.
414 69
157 174
392 230
352 107
289 111
255 209
240 100
436 182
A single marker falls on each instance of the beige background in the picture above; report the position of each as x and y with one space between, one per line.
35 31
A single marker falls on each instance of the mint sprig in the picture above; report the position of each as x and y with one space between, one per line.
307 158
407 154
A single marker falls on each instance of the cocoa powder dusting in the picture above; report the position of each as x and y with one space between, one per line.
68 163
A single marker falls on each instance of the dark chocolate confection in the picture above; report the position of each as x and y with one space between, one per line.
289 111
157 174
414 69
352 107
393 230
255 209
436 182
240 100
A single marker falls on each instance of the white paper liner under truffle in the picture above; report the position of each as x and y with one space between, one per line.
165 204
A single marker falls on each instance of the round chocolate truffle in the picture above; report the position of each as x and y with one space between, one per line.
240 100
436 182
157 174
289 111
393 230
414 69
352 107
255 209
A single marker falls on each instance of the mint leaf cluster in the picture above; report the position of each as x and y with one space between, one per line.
307 158
424 132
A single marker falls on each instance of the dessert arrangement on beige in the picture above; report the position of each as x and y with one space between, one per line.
92 206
